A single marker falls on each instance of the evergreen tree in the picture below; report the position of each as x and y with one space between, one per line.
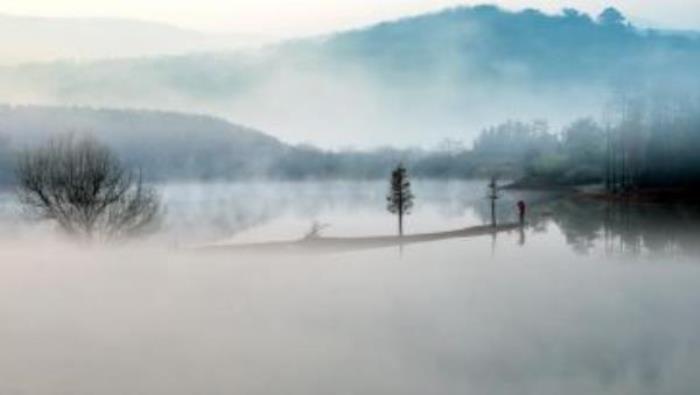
611 17
400 197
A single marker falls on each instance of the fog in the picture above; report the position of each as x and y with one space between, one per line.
525 313
125 322
267 252
25 39
294 19
358 109
409 82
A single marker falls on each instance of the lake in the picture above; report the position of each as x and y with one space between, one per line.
590 298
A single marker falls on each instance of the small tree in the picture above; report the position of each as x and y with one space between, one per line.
493 196
315 230
84 187
400 197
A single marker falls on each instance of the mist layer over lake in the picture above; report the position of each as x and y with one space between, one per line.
590 298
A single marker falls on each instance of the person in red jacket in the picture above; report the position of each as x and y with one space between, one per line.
521 212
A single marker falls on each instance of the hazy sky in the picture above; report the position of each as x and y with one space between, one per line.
298 17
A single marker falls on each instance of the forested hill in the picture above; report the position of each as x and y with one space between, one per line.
165 145
182 147
413 81
485 41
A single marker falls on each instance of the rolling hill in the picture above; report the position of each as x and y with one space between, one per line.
179 147
166 145
413 81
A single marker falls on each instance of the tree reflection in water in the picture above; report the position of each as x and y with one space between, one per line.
627 228
631 229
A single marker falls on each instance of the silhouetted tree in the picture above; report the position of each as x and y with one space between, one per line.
584 146
84 187
611 17
5 159
493 196
400 197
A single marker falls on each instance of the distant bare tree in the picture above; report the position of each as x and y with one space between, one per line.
400 197
493 196
315 230
84 187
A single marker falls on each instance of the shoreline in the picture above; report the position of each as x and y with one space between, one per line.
685 196
681 195
342 244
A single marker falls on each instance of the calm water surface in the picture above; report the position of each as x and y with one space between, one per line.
589 299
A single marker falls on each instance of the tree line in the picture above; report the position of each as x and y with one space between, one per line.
643 140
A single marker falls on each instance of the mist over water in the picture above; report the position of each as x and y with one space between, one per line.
530 313
284 286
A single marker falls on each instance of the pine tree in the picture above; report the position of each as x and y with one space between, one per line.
400 197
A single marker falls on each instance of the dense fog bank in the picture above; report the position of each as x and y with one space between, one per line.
145 320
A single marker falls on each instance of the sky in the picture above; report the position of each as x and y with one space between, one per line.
288 18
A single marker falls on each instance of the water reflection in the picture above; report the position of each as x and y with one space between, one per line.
631 229
197 213
536 318
626 228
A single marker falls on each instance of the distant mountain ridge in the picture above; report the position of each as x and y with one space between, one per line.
413 81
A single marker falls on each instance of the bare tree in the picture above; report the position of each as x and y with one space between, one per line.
493 196
315 230
85 188
400 197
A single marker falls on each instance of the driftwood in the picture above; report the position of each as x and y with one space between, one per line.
340 244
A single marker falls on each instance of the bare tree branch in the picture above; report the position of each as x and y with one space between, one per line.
84 187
